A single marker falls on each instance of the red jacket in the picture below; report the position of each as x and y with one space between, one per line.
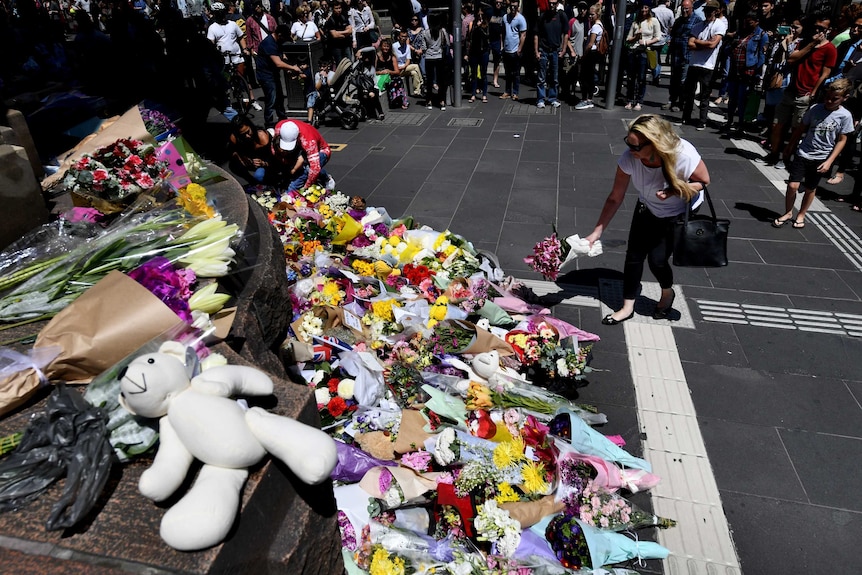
311 143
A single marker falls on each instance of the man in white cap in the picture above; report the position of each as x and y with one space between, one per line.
302 153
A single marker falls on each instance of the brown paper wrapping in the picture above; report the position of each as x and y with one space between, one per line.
412 484
411 435
485 341
17 389
129 125
531 512
109 321
377 444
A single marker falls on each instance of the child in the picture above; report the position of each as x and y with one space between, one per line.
826 126
314 84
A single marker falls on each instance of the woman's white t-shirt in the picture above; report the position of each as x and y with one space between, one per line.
304 31
647 181
598 30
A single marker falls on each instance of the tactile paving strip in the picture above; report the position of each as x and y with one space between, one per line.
701 543
781 318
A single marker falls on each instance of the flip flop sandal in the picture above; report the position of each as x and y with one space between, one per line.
797 225
835 180
778 222
856 208
484 99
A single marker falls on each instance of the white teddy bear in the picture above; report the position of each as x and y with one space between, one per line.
200 421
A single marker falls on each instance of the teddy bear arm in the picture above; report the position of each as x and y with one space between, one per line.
229 380
309 452
169 467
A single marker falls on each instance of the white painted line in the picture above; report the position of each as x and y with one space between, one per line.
701 543
717 303
775 325
765 308
723 320
817 330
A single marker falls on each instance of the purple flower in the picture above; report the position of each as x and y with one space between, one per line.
167 283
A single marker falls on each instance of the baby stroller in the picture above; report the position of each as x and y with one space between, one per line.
334 102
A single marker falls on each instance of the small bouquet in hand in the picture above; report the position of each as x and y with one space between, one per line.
551 254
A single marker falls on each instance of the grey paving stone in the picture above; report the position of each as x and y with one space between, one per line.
853 281
397 206
543 132
539 206
710 344
505 141
438 136
779 400
804 255
801 352
499 161
480 223
750 459
421 158
437 200
457 170
742 250
784 279
465 148
402 182
532 174
541 151
832 305
378 165
776 537
821 462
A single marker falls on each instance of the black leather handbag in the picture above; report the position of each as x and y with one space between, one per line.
700 241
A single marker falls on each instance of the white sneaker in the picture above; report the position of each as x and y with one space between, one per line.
256 106
330 185
555 103
779 165
540 105
442 108
584 105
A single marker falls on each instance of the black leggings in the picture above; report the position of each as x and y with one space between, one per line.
651 239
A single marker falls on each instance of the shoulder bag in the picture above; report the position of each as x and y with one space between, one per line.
700 241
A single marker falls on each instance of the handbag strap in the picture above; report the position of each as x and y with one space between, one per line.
708 201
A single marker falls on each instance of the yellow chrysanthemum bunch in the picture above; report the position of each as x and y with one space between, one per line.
383 564
310 247
383 309
193 199
314 193
438 311
533 474
363 268
505 493
509 453
329 294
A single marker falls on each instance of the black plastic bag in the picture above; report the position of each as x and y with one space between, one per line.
69 438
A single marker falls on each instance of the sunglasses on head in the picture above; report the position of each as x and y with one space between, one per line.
633 147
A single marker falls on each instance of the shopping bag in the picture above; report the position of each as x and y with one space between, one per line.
700 241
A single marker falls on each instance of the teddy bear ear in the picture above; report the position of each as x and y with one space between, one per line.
186 354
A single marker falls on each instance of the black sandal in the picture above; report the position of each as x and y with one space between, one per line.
778 222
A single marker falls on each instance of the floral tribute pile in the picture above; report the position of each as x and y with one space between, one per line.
460 448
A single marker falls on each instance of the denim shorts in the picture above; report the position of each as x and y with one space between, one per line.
311 99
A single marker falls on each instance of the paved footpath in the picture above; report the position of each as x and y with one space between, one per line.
749 404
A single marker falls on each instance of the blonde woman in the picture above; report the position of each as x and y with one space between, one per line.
668 173
592 56
645 31
304 30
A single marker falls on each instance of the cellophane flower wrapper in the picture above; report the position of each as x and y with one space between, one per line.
609 475
353 463
365 368
608 547
508 384
587 440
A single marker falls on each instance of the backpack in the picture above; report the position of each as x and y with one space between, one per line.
604 45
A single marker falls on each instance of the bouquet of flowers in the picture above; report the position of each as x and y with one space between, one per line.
551 358
157 124
548 255
116 173
333 392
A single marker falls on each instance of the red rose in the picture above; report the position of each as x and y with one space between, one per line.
332 385
336 406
